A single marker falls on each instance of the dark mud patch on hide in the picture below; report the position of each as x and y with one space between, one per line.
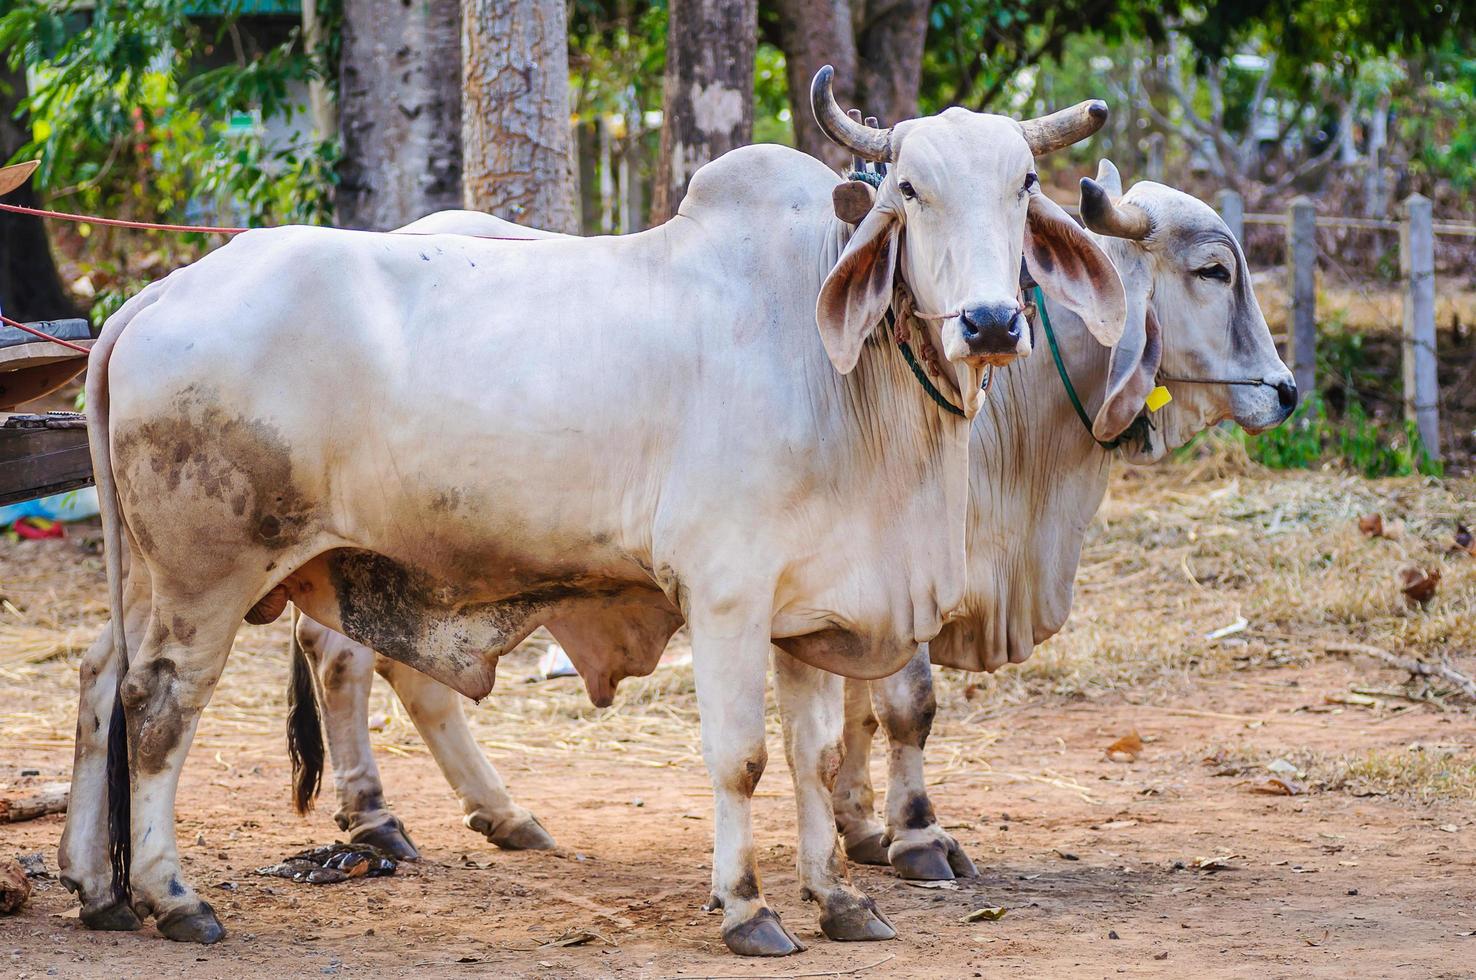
917 813
155 723
435 627
245 464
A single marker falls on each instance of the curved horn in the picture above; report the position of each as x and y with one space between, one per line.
1100 215
1064 127
865 142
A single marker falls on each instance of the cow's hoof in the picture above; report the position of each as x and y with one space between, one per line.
197 926
762 935
392 838
852 919
921 862
962 866
115 916
871 849
526 836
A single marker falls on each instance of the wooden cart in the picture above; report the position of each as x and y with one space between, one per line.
41 454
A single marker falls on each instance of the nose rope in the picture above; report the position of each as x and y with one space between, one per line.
1255 382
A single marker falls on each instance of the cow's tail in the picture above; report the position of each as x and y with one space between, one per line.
120 846
304 728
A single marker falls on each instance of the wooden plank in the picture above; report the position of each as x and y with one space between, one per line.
30 368
1301 251
1417 262
40 462
1232 211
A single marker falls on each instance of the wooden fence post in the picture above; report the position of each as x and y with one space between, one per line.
1155 142
1417 262
1301 253
1232 211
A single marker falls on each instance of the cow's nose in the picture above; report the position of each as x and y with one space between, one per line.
1286 394
992 328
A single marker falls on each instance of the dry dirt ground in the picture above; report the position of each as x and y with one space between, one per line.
1171 863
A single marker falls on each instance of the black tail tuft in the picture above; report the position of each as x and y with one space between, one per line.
304 731
120 833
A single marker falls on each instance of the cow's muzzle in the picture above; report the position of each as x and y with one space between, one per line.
995 330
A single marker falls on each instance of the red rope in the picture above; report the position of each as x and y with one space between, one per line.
44 336
119 222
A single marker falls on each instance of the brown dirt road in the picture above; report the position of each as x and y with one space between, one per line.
1328 884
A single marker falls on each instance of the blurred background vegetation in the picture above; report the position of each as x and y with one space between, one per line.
201 112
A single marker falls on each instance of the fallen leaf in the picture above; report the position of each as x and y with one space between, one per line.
1065 855
1282 767
989 913
1213 864
1418 583
1126 749
1450 828
1372 525
1297 869
1278 786
951 886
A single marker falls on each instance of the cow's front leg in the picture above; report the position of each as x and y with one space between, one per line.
854 798
167 686
729 663
437 713
345 672
811 705
918 848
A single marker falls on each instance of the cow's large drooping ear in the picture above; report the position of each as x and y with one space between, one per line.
858 290
1073 269
1132 369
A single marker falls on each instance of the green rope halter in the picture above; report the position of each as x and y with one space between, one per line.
1139 430
919 373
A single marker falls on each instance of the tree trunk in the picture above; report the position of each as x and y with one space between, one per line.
399 99
30 288
708 99
515 112
889 51
814 33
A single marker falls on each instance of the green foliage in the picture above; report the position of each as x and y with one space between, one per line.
126 119
133 114
1295 444
1356 441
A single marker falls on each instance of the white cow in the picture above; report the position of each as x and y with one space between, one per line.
672 442
1036 479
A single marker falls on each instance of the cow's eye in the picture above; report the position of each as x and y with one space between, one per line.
1214 271
1031 179
907 190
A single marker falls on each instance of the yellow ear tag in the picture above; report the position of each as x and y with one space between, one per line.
1157 398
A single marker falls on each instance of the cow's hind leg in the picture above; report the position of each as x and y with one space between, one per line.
811 705
345 672
437 713
919 848
83 856
855 800
168 683
730 665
